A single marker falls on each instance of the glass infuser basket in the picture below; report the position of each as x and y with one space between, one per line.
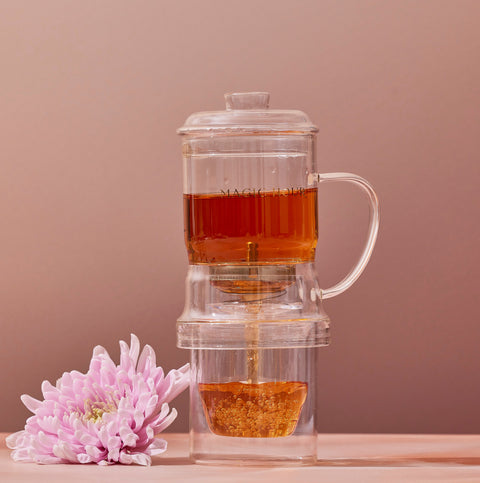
253 316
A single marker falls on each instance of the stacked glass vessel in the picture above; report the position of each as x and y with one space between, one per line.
253 317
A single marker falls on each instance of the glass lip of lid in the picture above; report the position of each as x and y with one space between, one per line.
248 112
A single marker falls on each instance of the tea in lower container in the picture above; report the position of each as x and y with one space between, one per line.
264 410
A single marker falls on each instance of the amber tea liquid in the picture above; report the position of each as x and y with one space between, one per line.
278 226
265 410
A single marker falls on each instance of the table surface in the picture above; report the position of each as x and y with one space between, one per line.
343 458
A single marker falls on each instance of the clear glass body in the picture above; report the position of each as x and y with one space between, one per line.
268 420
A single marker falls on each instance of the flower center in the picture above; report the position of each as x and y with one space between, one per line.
94 410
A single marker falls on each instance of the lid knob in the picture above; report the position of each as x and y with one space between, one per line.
247 100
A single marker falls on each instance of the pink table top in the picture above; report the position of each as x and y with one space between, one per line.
343 458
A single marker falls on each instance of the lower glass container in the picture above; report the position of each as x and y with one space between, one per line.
253 332
253 406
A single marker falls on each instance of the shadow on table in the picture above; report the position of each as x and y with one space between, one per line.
360 462
404 461
182 461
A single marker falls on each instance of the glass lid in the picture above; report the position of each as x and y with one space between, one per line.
248 112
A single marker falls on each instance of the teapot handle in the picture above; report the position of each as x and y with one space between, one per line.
357 270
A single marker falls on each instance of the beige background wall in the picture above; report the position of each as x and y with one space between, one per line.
91 241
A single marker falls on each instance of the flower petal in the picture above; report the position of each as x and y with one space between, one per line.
84 458
125 361
47 460
63 450
31 403
141 459
181 380
22 454
99 350
151 405
166 422
103 436
13 439
114 454
129 438
125 458
114 442
134 349
139 417
147 359
49 391
158 446
94 452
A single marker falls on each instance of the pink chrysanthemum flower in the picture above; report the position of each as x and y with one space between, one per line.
109 415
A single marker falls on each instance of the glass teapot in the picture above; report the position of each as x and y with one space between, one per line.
250 189
253 317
